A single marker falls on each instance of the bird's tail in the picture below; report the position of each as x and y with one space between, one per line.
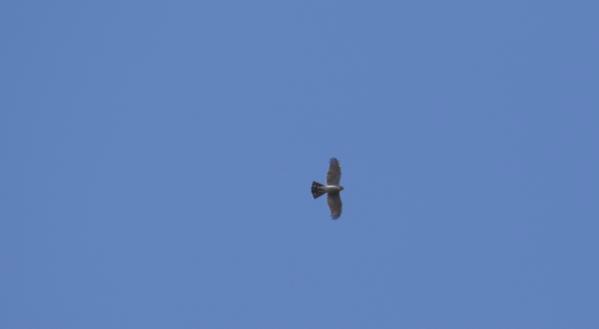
316 191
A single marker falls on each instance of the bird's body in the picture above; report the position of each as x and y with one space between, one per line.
332 188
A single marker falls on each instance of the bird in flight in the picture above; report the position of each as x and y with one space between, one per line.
332 188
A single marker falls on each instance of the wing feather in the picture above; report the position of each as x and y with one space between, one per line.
334 201
334 174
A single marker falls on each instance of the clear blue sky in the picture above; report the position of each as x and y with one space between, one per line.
156 159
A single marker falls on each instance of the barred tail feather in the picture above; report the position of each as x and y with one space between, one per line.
316 191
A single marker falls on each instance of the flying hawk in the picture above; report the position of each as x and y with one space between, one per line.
332 188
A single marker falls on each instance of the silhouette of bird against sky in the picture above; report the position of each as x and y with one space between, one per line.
332 188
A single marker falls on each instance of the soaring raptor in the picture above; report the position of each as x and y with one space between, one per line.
332 188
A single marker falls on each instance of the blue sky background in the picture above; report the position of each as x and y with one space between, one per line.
156 159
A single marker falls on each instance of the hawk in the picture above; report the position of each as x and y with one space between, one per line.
332 188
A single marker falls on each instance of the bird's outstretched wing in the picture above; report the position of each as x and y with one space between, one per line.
334 174
334 201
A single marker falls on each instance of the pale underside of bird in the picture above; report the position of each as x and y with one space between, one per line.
331 189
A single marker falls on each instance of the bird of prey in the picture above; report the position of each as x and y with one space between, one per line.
332 188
